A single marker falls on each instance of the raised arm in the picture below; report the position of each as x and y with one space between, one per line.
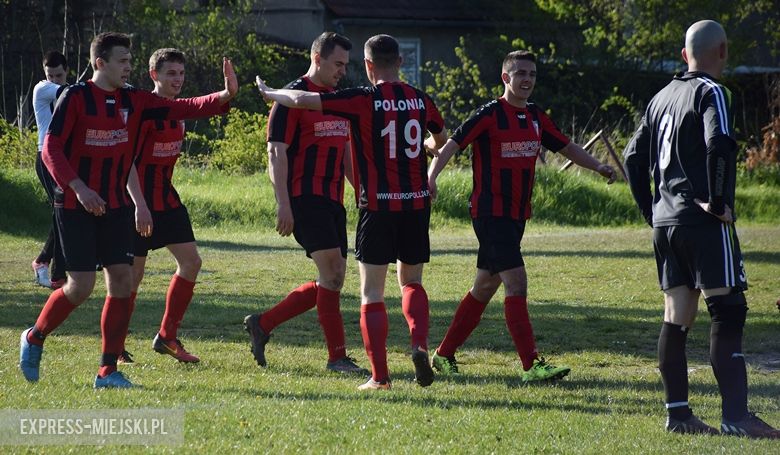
296 99
231 82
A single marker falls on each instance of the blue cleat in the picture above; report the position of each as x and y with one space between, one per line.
115 380
29 357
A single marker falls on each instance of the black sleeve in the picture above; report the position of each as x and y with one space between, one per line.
637 165
719 149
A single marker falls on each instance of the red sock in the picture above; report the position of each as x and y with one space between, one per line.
54 313
177 300
373 327
466 319
299 301
519 325
414 303
329 315
130 310
113 327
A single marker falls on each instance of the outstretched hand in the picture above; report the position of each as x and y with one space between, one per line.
231 82
607 172
262 88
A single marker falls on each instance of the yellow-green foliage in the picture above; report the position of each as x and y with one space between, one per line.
17 148
242 145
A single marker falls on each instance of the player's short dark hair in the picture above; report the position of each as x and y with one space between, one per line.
382 51
516 56
53 59
166 54
104 43
327 42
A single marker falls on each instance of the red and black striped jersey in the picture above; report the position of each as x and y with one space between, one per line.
506 142
159 148
316 144
388 123
93 134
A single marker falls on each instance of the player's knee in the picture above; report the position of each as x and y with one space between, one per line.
194 263
78 291
728 311
333 282
484 291
332 276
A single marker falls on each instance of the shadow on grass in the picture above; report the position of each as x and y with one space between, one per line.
599 391
442 402
560 328
221 245
529 252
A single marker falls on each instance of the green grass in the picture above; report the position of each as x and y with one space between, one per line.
594 303
572 198
594 300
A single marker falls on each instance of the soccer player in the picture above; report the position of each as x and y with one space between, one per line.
506 135
388 121
159 146
686 140
45 93
89 151
308 159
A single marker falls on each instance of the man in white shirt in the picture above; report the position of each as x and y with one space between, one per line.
44 98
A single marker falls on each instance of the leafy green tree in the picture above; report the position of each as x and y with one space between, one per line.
650 32
205 35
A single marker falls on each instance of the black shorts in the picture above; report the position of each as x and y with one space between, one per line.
499 243
89 241
169 227
702 256
320 224
384 237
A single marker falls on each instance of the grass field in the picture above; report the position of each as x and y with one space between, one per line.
594 303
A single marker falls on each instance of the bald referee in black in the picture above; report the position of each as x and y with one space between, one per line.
686 140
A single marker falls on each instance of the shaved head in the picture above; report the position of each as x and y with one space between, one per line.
706 47
703 37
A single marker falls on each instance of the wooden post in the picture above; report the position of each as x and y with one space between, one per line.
586 147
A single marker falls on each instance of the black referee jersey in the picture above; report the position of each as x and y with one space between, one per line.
688 116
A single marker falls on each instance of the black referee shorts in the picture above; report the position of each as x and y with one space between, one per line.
384 237
702 256
499 243
320 224
169 227
89 241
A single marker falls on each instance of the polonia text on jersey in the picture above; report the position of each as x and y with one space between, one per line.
399 105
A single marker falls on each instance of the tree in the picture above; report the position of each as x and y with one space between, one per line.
647 33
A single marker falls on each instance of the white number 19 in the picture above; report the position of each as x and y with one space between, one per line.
412 134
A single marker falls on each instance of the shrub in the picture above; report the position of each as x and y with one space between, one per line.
17 148
242 145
